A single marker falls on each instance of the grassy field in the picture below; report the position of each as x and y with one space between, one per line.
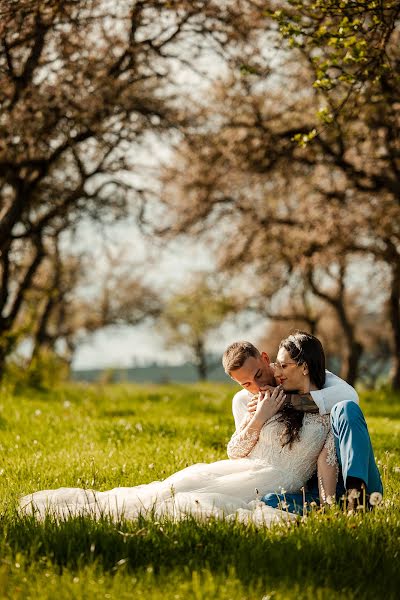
123 435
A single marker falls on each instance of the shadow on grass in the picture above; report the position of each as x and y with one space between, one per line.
128 412
357 553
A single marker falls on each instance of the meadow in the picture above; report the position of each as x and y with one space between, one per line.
121 435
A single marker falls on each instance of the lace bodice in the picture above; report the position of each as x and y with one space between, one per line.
298 459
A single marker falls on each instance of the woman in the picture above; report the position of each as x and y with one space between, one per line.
283 453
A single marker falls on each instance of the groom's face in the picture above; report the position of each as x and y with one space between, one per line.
255 373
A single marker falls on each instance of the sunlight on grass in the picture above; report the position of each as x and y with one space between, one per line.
123 435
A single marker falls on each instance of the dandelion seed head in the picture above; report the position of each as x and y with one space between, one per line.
375 498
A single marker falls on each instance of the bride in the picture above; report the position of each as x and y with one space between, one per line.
274 448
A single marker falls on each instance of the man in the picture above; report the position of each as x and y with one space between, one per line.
359 473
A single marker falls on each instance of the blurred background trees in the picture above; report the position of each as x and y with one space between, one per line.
304 181
193 314
285 162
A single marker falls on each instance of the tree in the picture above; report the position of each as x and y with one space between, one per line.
62 311
82 86
191 315
296 183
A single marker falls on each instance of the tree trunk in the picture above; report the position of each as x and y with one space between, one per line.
352 362
3 355
41 338
394 315
7 343
201 362
355 349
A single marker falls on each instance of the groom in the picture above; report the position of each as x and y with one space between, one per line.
358 470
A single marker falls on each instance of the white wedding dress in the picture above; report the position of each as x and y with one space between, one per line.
224 489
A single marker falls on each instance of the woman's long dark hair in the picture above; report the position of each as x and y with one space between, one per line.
302 348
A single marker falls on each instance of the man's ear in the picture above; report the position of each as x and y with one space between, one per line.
265 357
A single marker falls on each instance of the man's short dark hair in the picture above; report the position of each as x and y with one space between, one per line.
236 355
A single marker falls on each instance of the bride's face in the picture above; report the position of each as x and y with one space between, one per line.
289 374
255 373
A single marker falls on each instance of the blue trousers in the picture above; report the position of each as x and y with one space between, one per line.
355 457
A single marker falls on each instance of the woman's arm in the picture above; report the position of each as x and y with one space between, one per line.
245 438
327 468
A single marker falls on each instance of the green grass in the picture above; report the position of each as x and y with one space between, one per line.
123 435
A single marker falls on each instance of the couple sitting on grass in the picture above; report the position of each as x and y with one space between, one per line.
302 441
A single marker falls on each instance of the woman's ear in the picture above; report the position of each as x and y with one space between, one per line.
305 369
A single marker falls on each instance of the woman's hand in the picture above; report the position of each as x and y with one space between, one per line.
268 404
252 404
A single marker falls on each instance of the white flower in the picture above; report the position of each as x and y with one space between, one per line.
38 412
396 469
375 498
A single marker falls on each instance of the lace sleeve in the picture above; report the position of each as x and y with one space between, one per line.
242 442
329 446
328 470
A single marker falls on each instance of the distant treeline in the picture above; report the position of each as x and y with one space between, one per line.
154 373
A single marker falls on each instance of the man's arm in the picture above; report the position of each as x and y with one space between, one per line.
335 390
239 406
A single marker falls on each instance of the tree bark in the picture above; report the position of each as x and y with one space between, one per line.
394 315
